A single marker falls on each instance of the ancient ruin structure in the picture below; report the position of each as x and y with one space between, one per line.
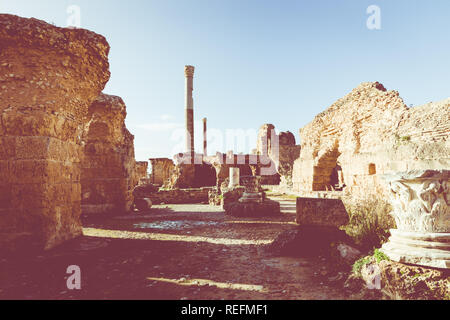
421 202
142 171
49 77
367 133
161 170
108 167
253 202
281 149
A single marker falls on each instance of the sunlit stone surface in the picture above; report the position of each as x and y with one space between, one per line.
421 208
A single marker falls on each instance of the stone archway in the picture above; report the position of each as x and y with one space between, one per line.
327 174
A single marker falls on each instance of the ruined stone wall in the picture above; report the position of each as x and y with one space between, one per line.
161 170
367 133
141 169
174 196
108 174
281 149
49 77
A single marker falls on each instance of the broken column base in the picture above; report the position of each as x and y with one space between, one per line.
419 248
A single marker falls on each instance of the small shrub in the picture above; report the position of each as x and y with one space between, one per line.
377 256
400 139
380 256
405 138
359 264
370 222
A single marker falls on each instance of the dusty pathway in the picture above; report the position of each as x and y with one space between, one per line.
174 252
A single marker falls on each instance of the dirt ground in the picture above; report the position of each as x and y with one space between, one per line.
192 252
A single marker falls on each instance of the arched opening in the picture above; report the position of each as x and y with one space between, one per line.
337 179
328 174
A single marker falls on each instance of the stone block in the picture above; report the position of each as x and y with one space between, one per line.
321 212
253 209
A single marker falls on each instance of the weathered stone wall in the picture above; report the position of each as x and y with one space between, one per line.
109 172
367 133
141 169
49 77
281 149
321 212
174 196
162 169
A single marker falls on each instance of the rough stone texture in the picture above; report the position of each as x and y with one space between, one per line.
253 209
214 197
405 282
369 132
321 212
225 196
161 170
281 149
141 171
231 196
49 77
108 174
173 196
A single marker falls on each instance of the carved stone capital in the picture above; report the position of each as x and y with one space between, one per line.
189 71
421 200
421 208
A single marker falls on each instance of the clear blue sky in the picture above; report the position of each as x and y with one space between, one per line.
257 61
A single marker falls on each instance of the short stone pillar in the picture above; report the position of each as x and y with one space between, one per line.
421 208
234 177
252 191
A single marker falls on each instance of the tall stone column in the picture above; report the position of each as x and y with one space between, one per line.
189 73
421 203
205 138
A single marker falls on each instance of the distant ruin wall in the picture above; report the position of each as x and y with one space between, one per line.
175 196
49 77
109 172
281 149
161 170
367 133
141 169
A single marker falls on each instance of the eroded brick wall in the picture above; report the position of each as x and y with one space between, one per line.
367 133
109 172
48 77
